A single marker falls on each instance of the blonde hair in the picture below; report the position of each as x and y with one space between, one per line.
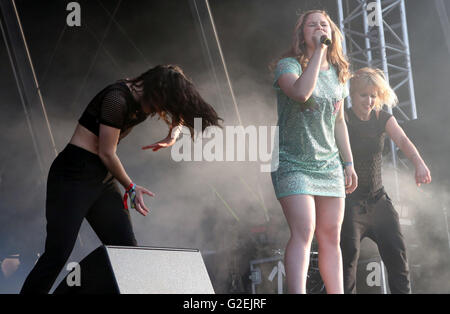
335 55
376 78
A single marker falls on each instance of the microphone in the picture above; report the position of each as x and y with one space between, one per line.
325 40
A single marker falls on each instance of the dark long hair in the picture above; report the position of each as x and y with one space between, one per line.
170 94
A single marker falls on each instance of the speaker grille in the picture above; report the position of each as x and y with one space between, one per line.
156 270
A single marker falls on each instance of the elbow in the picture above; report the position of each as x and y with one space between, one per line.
105 155
402 143
296 94
302 97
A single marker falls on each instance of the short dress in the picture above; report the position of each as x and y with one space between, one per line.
308 157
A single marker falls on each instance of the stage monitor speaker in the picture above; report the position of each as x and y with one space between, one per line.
139 270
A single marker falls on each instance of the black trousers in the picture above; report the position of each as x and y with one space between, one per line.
79 186
377 219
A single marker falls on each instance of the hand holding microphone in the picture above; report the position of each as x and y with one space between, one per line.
324 40
321 38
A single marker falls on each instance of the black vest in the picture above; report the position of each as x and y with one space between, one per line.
367 140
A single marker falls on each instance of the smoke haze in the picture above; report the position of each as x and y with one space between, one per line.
216 207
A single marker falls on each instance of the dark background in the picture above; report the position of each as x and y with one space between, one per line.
71 68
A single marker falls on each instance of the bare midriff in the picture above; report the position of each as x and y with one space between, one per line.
85 139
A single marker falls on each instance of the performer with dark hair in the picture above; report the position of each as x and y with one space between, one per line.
82 182
311 182
369 211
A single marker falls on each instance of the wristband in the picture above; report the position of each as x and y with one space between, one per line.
132 193
347 164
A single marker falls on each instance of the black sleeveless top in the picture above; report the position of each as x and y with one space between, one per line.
367 140
114 106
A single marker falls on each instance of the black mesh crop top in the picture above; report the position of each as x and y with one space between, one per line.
114 106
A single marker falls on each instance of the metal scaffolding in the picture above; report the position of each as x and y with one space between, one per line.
376 35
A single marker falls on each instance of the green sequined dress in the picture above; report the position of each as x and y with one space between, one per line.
308 157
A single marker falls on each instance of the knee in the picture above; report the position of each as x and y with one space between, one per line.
350 252
329 235
303 233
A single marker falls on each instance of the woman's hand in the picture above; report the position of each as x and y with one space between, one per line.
167 142
351 179
337 106
423 175
316 38
139 204
171 138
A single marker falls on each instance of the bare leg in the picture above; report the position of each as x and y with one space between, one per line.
330 214
300 215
